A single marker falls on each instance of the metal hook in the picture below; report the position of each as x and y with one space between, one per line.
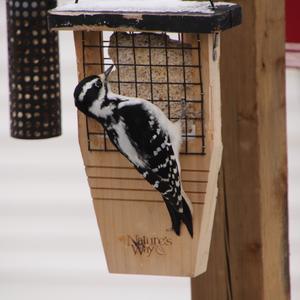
212 4
215 46
183 109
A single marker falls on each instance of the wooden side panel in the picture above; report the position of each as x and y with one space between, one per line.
133 220
216 148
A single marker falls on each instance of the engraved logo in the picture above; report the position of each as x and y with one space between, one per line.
145 245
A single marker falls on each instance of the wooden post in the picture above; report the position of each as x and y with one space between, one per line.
249 250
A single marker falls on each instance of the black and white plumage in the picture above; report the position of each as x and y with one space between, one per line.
145 136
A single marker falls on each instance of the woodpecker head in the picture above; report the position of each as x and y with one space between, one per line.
91 89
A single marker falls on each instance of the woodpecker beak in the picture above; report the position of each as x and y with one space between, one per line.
108 71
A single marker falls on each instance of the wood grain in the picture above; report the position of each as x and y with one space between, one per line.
253 261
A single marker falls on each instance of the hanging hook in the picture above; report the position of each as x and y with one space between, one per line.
183 108
212 4
215 46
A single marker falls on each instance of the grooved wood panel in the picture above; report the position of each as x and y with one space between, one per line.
143 185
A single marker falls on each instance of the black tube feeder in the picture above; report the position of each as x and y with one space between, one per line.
34 79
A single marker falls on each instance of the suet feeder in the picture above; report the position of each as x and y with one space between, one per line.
166 52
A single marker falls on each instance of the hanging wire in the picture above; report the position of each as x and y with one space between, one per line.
215 46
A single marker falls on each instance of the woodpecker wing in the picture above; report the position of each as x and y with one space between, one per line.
152 144
155 153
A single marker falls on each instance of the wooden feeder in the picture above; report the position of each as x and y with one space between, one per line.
170 56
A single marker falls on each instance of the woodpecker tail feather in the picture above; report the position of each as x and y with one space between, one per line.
177 217
187 217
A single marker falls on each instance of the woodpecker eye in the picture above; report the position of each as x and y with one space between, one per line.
98 83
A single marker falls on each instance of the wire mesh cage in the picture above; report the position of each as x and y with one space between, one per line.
159 67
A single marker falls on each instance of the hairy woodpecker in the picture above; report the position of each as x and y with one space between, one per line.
145 136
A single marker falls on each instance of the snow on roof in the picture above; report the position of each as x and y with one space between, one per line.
139 6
